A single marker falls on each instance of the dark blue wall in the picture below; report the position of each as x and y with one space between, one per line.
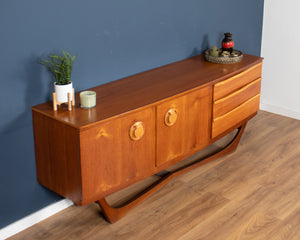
113 39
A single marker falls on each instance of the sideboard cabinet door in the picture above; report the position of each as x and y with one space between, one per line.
117 153
183 125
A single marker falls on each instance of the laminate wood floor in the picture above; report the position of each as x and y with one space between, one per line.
252 193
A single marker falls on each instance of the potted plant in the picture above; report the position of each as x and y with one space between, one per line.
61 67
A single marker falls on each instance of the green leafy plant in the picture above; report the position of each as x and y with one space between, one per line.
60 66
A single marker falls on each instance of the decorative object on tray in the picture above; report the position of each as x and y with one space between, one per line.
227 43
88 99
61 67
226 54
214 52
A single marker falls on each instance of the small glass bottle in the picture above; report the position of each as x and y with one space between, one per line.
227 43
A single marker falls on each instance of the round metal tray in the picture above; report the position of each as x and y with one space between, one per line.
224 60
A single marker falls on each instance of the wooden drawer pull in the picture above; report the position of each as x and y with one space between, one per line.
171 117
137 130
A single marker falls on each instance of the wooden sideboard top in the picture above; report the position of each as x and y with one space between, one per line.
143 89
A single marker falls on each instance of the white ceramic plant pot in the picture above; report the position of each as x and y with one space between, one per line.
62 92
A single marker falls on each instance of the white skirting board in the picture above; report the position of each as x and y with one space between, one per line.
280 110
34 218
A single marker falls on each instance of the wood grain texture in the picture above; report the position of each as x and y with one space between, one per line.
192 127
226 87
111 160
252 194
235 99
57 169
233 117
133 92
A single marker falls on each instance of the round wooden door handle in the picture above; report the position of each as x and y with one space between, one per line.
171 117
137 130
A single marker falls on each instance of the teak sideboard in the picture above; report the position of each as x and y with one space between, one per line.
141 125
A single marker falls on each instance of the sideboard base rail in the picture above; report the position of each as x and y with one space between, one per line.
113 214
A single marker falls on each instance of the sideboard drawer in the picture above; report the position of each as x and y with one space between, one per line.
232 84
235 116
117 153
235 99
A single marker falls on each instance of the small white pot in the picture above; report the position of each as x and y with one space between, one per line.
62 92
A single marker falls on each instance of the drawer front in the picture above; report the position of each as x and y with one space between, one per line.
226 87
117 153
228 103
235 116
